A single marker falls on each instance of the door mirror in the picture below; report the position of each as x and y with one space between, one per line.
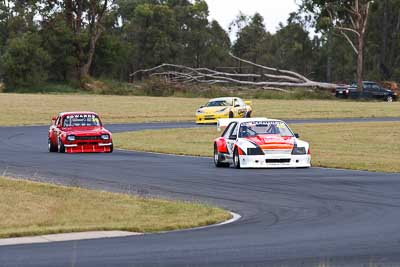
296 135
232 137
201 106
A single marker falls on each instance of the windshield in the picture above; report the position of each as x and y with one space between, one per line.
250 129
81 120
219 103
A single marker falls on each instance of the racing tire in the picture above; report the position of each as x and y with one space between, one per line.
248 114
230 115
51 146
236 159
111 149
217 160
389 99
60 146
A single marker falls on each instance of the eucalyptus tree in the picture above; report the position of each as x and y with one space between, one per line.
349 18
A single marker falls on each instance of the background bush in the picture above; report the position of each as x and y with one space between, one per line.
24 63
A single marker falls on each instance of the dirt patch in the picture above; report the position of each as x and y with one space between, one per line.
95 86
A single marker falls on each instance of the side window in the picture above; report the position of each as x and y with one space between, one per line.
240 102
375 88
58 121
67 121
228 130
234 130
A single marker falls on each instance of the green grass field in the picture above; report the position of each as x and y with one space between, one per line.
31 208
360 146
37 109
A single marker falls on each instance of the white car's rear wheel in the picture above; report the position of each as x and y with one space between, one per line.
217 160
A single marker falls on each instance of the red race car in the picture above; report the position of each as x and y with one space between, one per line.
75 132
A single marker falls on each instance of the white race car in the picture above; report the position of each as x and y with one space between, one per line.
259 143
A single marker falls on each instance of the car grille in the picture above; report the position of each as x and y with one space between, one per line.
277 151
85 138
209 118
277 160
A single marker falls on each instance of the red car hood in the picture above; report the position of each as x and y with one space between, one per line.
85 131
271 141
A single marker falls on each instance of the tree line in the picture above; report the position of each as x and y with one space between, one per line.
73 41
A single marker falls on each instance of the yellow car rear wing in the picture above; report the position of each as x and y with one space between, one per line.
248 102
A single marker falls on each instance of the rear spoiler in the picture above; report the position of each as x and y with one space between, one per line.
248 102
223 123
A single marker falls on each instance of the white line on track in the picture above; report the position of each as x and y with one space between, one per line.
94 235
64 237
235 217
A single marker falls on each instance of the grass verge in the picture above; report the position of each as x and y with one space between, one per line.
359 146
37 109
31 208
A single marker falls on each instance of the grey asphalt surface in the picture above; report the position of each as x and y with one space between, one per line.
291 217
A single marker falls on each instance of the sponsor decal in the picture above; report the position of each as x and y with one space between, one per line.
81 116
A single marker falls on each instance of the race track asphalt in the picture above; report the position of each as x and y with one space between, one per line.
291 217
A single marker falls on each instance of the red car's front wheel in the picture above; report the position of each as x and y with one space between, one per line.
111 148
51 146
61 147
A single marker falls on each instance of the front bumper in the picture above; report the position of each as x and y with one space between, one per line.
275 161
210 118
88 147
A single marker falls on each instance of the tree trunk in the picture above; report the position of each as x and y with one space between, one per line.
68 14
361 19
77 30
382 58
329 58
360 63
392 57
85 69
269 77
95 17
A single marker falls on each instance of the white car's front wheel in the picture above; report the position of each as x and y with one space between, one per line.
236 159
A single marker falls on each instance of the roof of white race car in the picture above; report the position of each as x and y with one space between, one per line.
225 122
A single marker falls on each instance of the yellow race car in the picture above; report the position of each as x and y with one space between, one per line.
222 108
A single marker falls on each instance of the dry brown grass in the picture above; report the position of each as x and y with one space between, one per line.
371 146
360 146
32 109
30 208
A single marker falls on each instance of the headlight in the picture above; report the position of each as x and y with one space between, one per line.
256 151
71 138
222 110
299 151
105 136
